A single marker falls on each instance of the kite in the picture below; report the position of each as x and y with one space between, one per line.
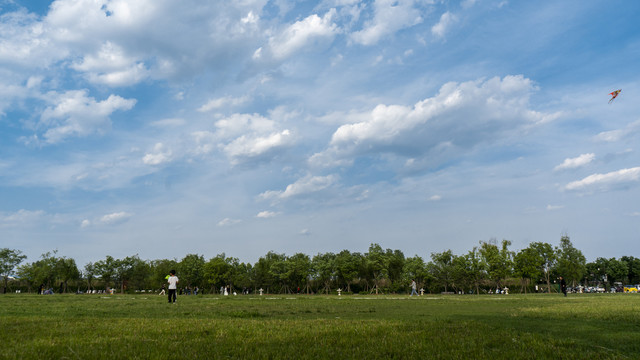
614 94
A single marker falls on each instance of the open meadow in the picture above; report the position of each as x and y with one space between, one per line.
580 326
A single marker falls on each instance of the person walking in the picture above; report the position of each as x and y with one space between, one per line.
413 287
563 286
173 286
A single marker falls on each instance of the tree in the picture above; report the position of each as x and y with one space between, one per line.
191 269
67 270
442 268
159 270
416 269
348 267
476 268
633 273
571 262
219 271
618 270
297 270
9 260
395 266
527 265
264 278
547 257
498 262
243 275
376 265
461 273
323 269
89 274
106 269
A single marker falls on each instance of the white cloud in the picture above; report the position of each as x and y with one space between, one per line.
246 137
619 134
222 102
303 33
572 163
604 181
161 154
266 214
446 21
76 114
308 184
119 43
458 118
228 222
111 66
168 123
25 41
251 147
435 198
389 17
115 218
238 124
554 207
21 216
205 142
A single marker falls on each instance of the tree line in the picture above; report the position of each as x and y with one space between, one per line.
489 265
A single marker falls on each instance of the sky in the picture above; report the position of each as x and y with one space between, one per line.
163 128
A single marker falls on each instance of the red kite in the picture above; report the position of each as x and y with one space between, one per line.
614 94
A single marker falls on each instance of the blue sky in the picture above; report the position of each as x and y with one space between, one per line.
161 129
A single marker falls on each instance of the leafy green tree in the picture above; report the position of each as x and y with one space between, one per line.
89 274
498 261
323 268
243 275
264 277
476 268
191 269
416 269
347 266
618 270
159 270
124 269
298 268
461 273
376 266
442 268
548 259
9 260
67 270
527 265
107 270
395 267
633 273
221 271
571 263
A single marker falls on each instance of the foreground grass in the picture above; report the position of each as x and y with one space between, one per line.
597 326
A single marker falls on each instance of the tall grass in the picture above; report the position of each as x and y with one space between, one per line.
443 327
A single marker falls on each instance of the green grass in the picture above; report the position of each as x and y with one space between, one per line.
599 326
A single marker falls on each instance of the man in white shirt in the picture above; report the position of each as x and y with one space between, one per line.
173 286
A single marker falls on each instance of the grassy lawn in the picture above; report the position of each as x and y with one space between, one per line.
536 326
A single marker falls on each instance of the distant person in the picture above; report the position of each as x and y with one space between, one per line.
173 286
563 286
163 292
413 287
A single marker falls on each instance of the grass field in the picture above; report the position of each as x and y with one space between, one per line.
581 326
